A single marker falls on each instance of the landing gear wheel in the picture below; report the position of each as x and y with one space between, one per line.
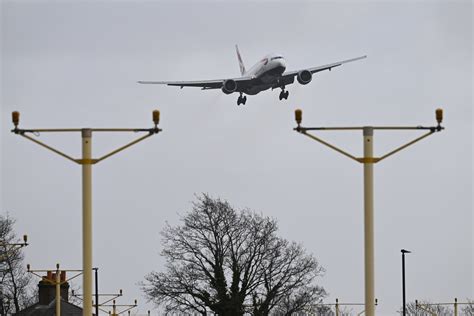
284 95
241 100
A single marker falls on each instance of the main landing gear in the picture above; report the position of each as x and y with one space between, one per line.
284 94
242 99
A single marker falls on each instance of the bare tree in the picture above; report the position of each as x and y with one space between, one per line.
232 262
15 291
468 309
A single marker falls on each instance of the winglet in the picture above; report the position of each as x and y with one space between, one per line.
241 63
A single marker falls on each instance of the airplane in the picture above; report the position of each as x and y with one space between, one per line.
267 73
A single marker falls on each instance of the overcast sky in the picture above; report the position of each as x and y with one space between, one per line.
76 63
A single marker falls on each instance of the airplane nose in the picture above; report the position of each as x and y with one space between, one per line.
282 64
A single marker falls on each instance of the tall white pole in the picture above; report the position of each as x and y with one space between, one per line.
368 133
87 221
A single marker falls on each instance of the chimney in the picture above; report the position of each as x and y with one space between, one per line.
47 288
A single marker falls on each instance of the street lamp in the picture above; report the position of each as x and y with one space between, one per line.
404 251
86 162
368 160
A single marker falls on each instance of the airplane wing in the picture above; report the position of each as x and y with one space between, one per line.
203 84
321 68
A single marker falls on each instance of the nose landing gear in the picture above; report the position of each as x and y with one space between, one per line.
284 94
242 99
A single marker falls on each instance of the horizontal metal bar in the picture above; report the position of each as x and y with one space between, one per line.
47 130
351 128
341 304
407 127
329 128
148 130
453 303
61 130
54 270
11 245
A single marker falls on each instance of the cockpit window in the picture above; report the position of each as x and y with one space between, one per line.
277 57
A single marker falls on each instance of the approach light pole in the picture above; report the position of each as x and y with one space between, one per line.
57 279
86 162
96 303
368 160
404 251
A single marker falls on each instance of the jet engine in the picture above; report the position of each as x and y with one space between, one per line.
304 77
229 86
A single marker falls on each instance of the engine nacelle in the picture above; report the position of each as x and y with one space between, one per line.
229 86
304 77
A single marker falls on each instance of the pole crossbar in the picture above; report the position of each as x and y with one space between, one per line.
78 130
303 131
354 128
150 131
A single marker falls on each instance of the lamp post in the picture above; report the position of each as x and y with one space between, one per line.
118 309
404 251
86 162
368 160
57 280
97 304
7 248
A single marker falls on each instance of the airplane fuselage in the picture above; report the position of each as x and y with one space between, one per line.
265 73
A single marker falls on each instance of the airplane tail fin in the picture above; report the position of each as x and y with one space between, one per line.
241 63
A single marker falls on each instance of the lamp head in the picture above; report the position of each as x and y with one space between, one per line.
156 117
439 115
405 251
16 118
439 119
298 116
